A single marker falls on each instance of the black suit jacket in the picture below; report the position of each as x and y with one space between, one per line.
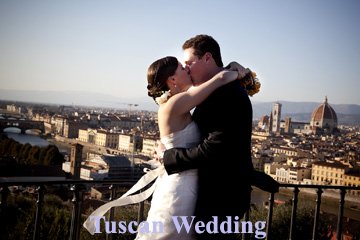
223 159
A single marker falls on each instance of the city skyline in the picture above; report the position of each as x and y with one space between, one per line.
301 51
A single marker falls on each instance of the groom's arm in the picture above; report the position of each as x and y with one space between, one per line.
217 114
180 159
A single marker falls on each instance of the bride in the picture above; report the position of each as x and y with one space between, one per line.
170 85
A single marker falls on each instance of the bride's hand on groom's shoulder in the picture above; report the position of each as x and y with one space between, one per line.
234 66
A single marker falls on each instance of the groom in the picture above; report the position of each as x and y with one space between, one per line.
223 159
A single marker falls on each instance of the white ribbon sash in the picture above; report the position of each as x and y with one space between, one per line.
125 199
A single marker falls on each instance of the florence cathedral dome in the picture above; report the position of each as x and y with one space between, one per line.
324 117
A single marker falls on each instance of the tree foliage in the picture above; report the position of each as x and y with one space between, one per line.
19 218
281 220
25 154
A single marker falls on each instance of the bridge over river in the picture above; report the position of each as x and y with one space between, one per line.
22 124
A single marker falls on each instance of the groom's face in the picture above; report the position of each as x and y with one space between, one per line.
195 65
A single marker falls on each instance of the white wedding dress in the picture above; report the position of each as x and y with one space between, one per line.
175 194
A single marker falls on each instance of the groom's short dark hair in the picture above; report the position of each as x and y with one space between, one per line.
202 44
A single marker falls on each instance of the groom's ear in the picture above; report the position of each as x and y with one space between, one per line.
207 56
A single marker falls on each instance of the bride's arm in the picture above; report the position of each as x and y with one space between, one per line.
185 101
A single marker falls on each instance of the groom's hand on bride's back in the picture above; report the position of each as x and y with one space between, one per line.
159 150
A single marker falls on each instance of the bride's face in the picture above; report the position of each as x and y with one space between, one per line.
182 79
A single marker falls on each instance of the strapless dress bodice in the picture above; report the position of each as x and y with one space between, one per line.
185 138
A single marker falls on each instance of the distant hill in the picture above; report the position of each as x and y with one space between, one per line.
77 98
299 111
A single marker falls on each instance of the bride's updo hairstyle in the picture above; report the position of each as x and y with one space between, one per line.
157 74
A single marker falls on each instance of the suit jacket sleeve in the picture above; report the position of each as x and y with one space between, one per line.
180 159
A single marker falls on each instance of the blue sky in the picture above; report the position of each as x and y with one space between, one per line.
301 50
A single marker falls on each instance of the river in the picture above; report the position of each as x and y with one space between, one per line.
32 139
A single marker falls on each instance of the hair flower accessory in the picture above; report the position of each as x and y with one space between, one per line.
163 98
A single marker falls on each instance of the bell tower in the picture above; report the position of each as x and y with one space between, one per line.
276 117
75 160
